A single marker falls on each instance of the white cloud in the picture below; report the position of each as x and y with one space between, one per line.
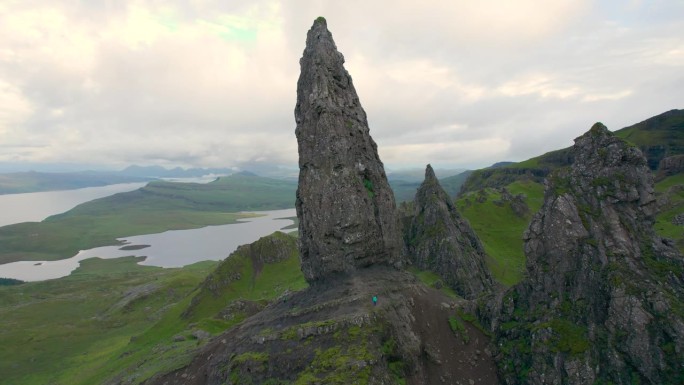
212 83
15 108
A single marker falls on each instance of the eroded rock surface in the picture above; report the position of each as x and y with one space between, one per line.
602 301
440 240
345 206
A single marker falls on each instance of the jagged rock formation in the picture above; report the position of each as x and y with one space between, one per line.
603 298
671 165
440 240
345 205
516 202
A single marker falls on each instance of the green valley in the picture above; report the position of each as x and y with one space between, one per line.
157 207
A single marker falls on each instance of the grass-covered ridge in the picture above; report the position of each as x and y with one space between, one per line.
657 137
157 207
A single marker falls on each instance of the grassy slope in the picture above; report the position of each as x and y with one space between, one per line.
432 279
154 350
54 329
664 226
500 230
88 327
158 207
23 182
658 137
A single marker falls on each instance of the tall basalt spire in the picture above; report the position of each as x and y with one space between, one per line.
345 206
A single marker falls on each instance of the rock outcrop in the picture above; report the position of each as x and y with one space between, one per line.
345 206
603 298
669 166
440 240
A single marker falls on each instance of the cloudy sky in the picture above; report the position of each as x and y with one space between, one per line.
209 83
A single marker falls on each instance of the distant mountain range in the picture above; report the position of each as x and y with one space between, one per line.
177 172
24 182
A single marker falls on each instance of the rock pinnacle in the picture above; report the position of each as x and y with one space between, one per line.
345 206
441 241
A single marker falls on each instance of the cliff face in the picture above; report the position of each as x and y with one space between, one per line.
345 206
440 240
602 301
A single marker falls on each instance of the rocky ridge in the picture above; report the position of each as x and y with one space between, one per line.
331 333
602 301
345 206
440 240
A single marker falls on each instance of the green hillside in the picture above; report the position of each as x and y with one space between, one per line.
54 330
658 137
113 318
235 289
500 228
671 193
157 207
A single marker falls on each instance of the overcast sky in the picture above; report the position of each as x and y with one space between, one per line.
208 83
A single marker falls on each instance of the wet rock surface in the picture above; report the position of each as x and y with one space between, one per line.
440 240
602 301
345 206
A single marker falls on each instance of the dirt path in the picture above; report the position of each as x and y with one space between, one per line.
450 358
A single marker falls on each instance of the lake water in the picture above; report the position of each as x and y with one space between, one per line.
168 249
34 207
